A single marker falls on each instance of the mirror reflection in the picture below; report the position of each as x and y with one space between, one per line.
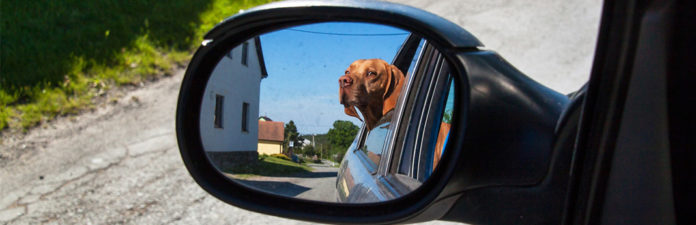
337 112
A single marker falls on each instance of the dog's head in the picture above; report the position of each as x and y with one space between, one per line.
372 86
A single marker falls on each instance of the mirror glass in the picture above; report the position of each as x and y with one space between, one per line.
319 112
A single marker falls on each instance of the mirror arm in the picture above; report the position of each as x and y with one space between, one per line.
507 154
289 13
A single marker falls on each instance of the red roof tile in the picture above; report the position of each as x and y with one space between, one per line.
271 131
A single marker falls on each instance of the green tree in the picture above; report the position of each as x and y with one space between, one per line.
291 134
447 116
341 136
308 150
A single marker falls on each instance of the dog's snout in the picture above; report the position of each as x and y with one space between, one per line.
345 81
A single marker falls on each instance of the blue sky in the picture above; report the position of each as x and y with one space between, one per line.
305 62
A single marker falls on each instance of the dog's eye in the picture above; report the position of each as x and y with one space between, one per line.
370 73
346 72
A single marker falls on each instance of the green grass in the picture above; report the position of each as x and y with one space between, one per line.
267 166
56 56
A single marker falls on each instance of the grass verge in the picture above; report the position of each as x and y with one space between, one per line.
57 56
267 166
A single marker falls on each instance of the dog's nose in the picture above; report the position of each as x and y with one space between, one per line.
344 81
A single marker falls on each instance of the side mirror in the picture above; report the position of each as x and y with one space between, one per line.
414 130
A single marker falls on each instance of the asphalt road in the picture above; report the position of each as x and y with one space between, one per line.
120 164
316 185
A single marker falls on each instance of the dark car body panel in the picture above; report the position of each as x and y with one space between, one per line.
521 113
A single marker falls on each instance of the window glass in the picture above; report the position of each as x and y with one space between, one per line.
245 113
374 143
443 131
415 59
219 100
245 52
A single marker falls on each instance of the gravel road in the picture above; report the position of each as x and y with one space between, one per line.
119 164
550 41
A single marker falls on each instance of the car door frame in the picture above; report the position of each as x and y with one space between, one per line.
418 110
428 69
633 66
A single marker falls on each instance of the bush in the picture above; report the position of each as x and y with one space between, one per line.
263 156
281 156
309 150
80 49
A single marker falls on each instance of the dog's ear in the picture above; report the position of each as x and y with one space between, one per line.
395 80
389 82
350 110
397 74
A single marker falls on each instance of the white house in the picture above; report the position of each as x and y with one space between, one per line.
306 142
230 107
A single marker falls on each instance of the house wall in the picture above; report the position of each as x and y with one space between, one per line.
270 147
238 84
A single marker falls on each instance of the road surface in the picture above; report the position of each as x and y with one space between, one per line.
316 185
120 164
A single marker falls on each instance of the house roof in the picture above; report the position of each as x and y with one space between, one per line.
259 54
271 130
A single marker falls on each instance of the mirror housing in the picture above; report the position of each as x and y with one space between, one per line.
492 98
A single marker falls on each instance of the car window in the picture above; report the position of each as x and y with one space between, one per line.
374 143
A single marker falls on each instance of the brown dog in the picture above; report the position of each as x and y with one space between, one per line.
372 86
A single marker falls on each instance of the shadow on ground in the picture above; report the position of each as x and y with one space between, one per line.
314 174
276 187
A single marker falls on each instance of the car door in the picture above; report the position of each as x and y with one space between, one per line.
634 155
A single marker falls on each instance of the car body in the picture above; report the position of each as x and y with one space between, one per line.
617 151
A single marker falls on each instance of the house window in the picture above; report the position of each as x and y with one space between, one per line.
245 52
245 112
219 99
